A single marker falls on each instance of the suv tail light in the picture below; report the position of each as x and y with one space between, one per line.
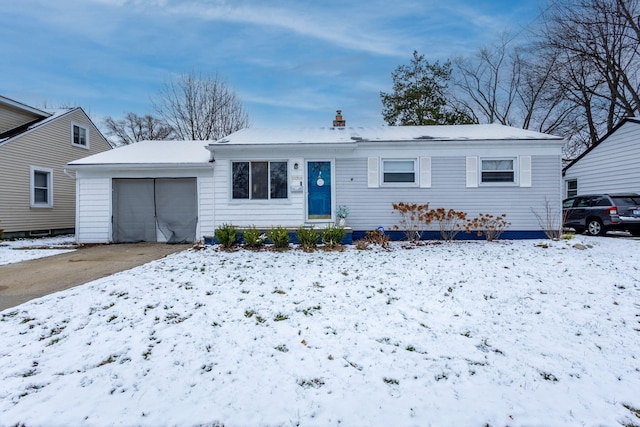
612 210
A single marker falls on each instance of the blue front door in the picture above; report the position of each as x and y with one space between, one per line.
319 190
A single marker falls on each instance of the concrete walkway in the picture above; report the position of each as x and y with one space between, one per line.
24 281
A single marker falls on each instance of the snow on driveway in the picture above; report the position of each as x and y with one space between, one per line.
462 333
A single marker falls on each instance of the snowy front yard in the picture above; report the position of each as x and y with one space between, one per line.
25 249
462 333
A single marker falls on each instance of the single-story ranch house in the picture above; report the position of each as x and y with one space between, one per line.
183 190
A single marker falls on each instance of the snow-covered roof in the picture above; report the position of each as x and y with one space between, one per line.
150 153
331 135
195 152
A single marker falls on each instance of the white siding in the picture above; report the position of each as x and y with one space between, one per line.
373 172
612 166
94 201
425 172
93 217
206 206
472 171
260 213
525 171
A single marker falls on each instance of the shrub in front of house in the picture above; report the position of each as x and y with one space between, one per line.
374 237
377 237
308 237
253 237
332 236
279 237
488 225
450 222
413 218
226 235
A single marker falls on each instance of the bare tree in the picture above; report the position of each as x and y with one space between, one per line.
489 82
577 79
133 128
596 46
200 108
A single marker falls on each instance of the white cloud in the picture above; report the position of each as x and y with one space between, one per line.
341 28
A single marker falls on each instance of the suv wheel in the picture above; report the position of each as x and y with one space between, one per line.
595 227
635 232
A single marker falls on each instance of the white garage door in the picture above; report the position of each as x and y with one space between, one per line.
143 206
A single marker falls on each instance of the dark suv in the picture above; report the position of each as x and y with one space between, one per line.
599 213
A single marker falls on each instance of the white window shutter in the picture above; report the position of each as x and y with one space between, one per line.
425 172
472 171
373 172
525 171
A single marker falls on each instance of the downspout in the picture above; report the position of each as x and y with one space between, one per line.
72 176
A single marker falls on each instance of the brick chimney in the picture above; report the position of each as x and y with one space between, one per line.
339 122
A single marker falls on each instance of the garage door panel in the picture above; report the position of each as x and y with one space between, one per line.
133 211
176 208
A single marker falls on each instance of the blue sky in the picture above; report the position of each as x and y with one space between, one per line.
291 62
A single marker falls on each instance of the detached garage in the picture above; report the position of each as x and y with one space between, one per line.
151 191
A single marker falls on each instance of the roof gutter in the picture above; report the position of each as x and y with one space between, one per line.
129 166
221 146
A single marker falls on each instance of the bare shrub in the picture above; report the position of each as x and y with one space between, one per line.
375 237
551 220
450 222
412 217
488 225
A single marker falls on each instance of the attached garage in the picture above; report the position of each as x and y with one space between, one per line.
144 206
151 191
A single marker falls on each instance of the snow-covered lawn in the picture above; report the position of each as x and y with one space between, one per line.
24 249
462 333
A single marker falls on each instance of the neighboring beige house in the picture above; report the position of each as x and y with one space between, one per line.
37 195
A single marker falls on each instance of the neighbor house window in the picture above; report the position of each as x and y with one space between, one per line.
79 135
498 171
398 171
572 187
41 187
259 180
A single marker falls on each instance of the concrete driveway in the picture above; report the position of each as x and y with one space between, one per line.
24 281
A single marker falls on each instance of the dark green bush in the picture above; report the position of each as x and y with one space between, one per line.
308 237
332 236
227 235
279 236
253 237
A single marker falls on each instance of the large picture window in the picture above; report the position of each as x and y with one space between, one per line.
399 171
498 171
260 180
41 187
